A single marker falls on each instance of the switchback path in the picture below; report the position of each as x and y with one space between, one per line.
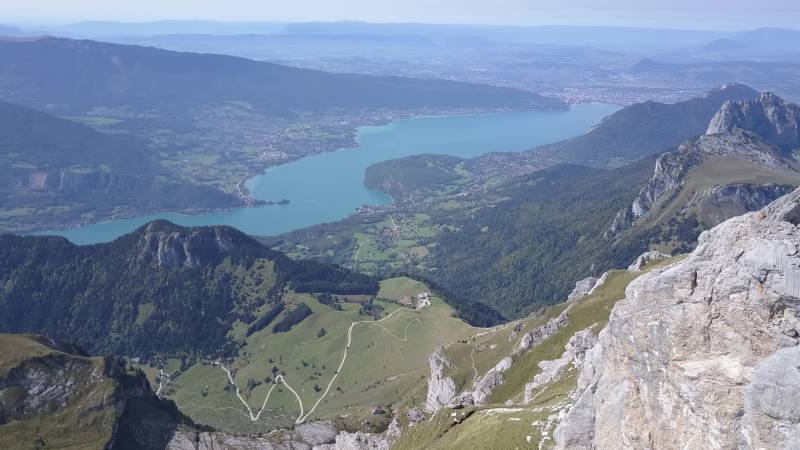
280 378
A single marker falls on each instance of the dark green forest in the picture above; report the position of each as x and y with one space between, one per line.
528 251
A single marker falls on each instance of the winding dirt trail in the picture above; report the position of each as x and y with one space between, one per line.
280 378
254 417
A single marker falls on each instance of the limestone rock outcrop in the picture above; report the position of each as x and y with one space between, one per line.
574 353
645 258
775 119
582 288
762 131
169 245
490 380
441 388
672 168
702 353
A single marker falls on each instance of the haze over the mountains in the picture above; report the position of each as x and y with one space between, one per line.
712 14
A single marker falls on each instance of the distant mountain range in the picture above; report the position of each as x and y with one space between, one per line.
628 38
10 31
763 44
75 75
758 44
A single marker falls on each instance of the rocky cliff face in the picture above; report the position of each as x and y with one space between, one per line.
551 370
762 133
69 397
77 180
441 388
672 168
646 258
769 116
703 353
582 288
169 245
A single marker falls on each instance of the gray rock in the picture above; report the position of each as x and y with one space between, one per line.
183 440
600 281
582 288
770 116
772 403
357 441
537 335
645 258
485 385
317 433
463 399
415 415
702 353
441 388
551 370
169 245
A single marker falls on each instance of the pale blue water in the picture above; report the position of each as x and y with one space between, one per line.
329 186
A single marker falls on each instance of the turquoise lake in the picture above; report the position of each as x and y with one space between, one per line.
329 186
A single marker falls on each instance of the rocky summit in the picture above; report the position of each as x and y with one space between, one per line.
703 353
744 161
770 116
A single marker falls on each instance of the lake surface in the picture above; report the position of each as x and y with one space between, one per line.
330 186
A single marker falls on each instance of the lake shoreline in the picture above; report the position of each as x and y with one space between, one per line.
302 180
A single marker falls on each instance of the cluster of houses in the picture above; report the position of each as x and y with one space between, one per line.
423 299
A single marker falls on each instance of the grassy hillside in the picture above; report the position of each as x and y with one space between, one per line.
386 364
678 219
507 422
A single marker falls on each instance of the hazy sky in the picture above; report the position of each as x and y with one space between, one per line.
729 14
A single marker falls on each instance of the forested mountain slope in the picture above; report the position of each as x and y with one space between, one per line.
55 170
163 289
519 242
645 129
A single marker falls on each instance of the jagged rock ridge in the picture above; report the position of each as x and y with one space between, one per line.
761 132
769 116
169 245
